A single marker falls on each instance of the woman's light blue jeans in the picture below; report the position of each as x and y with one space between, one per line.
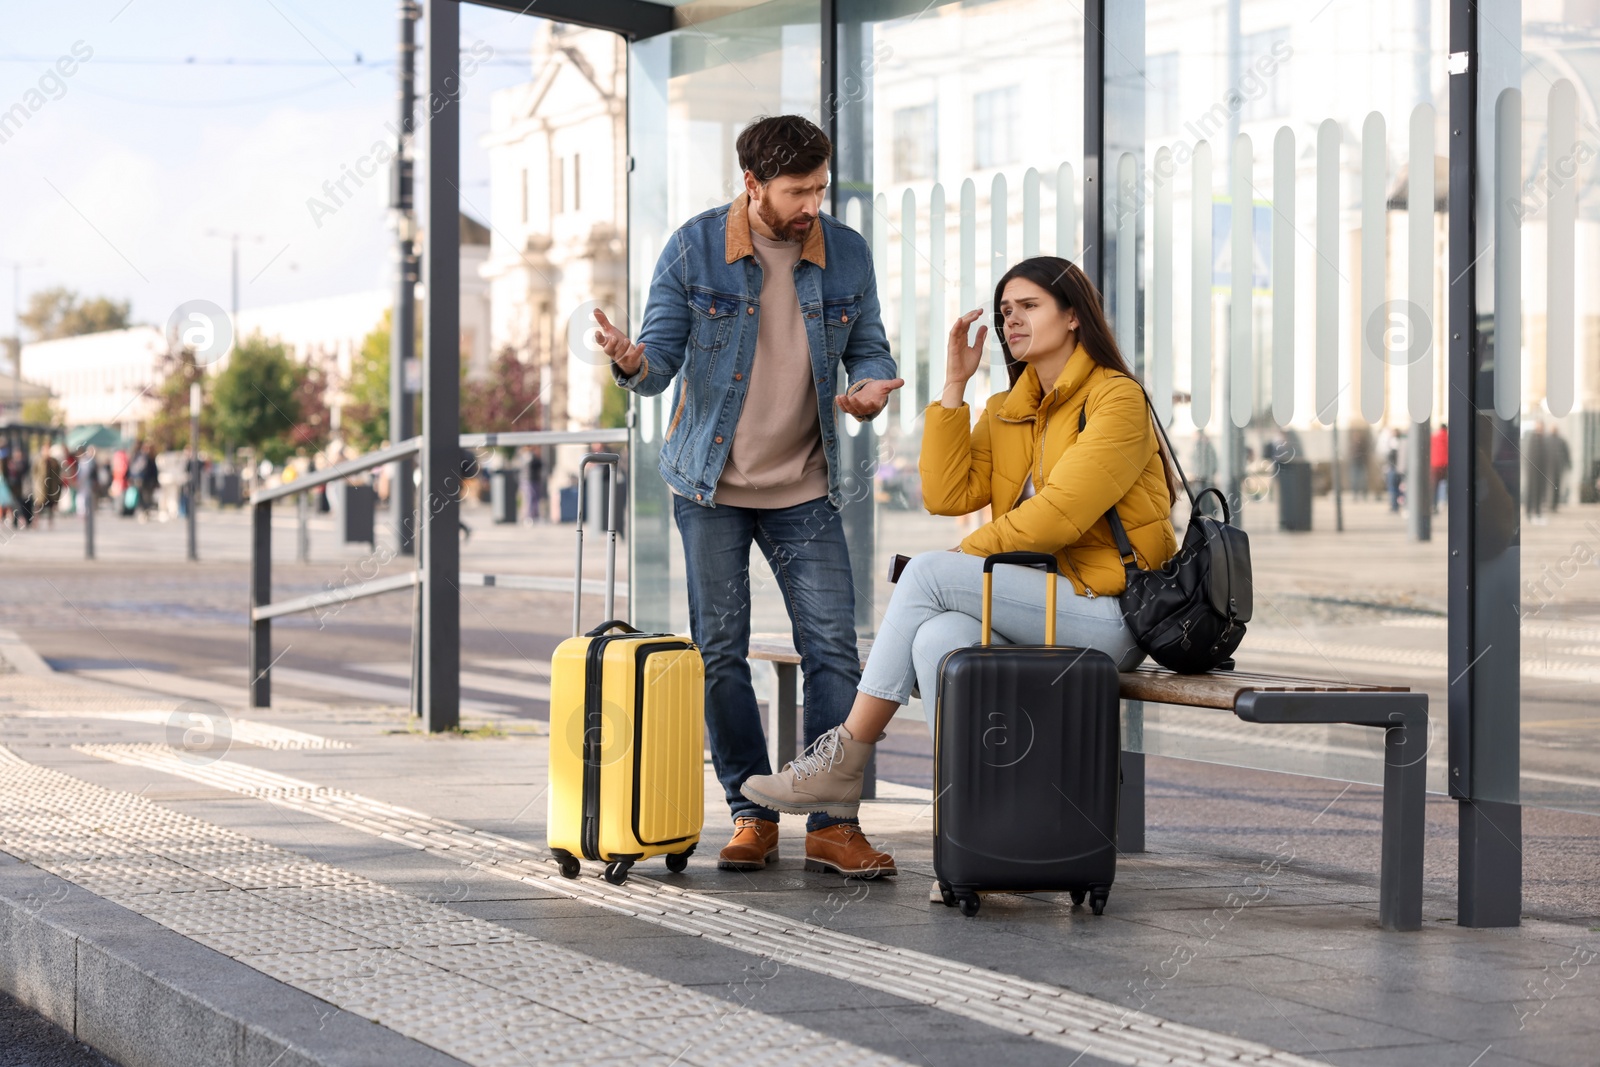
938 606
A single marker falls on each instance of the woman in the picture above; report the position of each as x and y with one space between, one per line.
1049 486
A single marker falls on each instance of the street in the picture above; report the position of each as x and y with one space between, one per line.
139 615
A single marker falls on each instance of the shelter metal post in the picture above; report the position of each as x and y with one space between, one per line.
441 395
260 596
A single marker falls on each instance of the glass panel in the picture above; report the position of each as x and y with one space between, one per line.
1010 137
1543 90
1293 278
690 93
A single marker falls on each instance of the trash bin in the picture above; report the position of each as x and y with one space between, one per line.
224 488
569 504
503 494
360 504
1294 495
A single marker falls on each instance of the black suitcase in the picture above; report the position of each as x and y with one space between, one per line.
1026 749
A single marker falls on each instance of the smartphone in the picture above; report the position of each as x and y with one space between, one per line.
896 565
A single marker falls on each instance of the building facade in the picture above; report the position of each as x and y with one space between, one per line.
557 150
107 378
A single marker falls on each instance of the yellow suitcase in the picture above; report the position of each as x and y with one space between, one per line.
627 736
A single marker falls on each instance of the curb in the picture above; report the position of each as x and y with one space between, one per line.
148 997
24 660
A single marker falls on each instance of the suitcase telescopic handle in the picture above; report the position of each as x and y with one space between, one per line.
609 460
1021 559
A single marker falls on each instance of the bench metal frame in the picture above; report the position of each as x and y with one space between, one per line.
1403 717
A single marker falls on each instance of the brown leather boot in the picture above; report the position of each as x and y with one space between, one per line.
754 845
844 849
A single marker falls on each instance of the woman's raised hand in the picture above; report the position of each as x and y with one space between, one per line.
962 359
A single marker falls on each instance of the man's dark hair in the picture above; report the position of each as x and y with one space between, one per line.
782 144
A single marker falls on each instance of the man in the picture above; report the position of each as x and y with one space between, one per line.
534 473
752 308
1535 479
1559 457
47 483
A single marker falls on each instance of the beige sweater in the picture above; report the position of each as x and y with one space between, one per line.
776 460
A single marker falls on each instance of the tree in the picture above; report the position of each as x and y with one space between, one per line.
39 411
167 429
364 420
256 399
613 406
58 312
507 400
310 432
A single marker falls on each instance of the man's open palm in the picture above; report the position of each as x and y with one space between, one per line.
618 349
866 402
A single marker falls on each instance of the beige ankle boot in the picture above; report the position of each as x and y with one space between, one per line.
826 779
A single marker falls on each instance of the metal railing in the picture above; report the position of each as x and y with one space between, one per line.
262 607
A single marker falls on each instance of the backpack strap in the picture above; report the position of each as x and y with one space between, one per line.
1124 546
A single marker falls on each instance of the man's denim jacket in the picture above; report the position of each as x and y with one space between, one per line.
700 327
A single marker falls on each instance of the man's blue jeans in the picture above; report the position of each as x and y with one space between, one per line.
806 549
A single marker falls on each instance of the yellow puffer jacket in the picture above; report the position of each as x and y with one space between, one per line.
1076 477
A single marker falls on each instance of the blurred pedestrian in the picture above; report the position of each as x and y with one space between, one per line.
469 472
1204 460
1439 465
19 487
1393 480
47 485
8 499
534 472
145 478
1360 461
1535 480
1558 461
120 462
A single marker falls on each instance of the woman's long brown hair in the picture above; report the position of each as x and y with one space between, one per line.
1072 288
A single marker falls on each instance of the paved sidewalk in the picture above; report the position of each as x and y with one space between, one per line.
389 895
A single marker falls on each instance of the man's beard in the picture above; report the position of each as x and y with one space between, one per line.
781 227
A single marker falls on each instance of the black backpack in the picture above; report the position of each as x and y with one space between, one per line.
1189 615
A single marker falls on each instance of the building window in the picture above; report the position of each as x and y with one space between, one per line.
1161 71
577 183
1263 77
524 196
558 185
916 144
994 127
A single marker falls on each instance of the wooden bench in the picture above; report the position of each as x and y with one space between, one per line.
1263 698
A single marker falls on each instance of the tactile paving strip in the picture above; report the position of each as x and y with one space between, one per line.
243 731
483 993
1007 1002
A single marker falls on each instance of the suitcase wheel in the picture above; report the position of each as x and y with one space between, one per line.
678 862
617 871
1098 897
969 904
570 867
948 895
1077 897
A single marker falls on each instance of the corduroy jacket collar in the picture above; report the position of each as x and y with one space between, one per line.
740 244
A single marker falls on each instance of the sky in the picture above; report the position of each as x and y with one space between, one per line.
195 118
